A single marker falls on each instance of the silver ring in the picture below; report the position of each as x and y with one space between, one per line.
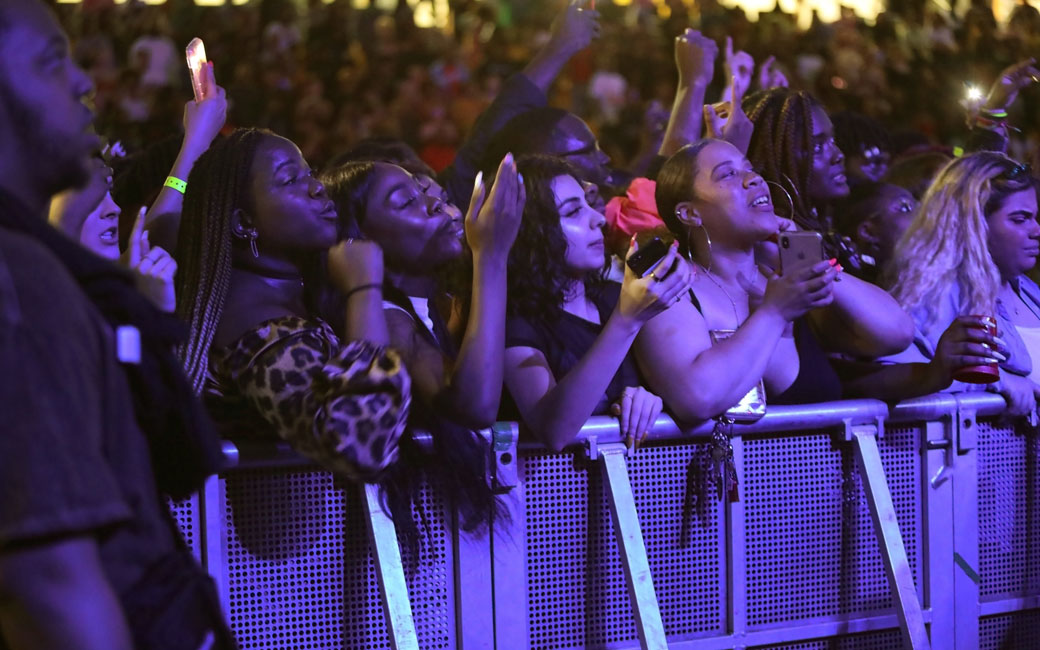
654 276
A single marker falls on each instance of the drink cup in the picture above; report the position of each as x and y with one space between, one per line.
984 374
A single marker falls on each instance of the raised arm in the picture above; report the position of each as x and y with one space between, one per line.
698 380
573 30
695 59
202 123
556 411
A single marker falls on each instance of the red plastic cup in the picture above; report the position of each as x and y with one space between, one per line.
986 374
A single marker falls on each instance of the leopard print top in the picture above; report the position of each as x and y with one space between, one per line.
344 406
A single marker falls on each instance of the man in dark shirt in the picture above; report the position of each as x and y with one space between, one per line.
81 519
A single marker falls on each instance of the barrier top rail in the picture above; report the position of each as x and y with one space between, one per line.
262 453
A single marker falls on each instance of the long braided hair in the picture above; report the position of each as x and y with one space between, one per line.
781 148
217 185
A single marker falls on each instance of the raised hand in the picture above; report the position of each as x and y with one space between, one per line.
770 75
492 222
695 56
1012 79
203 120
740 66
154 269
727 120
574 28
643 298
355 263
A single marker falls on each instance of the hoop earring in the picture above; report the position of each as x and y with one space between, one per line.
787 195
707 238
252 244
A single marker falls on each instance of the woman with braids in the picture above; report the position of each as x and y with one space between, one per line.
794 149
569 332
457 380
963 259
741 324
254 219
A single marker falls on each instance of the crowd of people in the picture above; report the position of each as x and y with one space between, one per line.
357 251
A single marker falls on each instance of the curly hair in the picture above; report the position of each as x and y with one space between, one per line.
946 243
781 147
536 271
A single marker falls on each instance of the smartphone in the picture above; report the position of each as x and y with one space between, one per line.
647 256
196 54
800 248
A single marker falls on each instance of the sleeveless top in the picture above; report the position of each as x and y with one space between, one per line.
817 380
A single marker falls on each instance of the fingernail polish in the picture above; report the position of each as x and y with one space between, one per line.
839 267
520 177
833 261
478 179
1000 357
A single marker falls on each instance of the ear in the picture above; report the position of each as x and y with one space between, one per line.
242 225
687 215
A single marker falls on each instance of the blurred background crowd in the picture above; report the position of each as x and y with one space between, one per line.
328 75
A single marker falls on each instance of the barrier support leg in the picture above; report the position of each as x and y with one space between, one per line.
633 550
890 540
396 606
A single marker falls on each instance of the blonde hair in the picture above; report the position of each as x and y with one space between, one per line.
946 244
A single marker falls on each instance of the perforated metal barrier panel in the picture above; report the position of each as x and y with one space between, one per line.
811 547
300 571
290 550
188 518
576 582
1009 522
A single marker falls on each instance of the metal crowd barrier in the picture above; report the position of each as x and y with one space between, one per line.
859 526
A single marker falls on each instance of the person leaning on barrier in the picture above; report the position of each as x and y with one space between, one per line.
569 333
718 208
964 257
254 229
457 380
96 424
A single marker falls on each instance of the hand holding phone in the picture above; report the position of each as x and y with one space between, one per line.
647 257
196 55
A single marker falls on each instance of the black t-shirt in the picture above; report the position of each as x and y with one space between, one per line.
72 458
564 339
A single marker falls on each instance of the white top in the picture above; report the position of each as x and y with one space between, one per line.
1031 337
421 307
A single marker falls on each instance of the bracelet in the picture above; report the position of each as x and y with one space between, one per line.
998 113
364 287
175 183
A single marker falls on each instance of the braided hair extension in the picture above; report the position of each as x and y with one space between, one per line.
217 186
781 147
